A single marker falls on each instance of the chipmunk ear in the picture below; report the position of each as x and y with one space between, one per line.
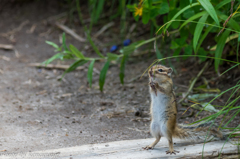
170 70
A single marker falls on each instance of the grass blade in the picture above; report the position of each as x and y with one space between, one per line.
198 31
54 57
180 12
222 3
75 65
52 44
207 5
90 72
99 10
76 52
192 18
230 69
204 36
103 74
232 118
219 49
112 57
87 31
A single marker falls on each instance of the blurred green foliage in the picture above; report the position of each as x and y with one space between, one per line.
200 24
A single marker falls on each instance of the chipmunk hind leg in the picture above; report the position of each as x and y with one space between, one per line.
155 131
170 143
153 144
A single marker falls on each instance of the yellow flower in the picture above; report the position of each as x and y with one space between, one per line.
138 11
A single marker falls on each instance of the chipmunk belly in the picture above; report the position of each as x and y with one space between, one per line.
159 114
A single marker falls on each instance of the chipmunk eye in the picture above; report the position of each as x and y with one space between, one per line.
160 70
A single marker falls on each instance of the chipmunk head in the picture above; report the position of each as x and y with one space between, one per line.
159 73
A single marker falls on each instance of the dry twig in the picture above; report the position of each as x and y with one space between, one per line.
31 30
15 30
70 32
6 46
5 58
231 15
104 28
52 66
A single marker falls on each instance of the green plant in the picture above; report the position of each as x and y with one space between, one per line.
202 19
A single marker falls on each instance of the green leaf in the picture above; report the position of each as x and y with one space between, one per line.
180 12
171 14
52 44
239 37
222 3
190 1
75 65
207 5
189 13
122 68
67 56
64 42
112 57
182 4
103 74
76 52
163 8
174 45
100 4
209 28
128 49
202 52
177 52
192 18
153 13
181 41
149 3
145 17
198 31
158 53
90 72
188 51
54 57
220 46
131 7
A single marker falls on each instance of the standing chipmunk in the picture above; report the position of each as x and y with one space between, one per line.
164 112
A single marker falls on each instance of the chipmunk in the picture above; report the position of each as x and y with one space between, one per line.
164 112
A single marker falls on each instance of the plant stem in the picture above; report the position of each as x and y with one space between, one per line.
87 32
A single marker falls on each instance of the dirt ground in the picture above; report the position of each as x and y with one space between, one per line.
38 112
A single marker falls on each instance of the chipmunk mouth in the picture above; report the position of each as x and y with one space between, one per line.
151 74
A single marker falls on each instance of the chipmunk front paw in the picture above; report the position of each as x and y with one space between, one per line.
172 152
153 86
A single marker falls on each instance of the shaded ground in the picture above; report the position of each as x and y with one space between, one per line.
39 112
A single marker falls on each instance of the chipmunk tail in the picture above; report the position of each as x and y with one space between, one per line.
200 131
